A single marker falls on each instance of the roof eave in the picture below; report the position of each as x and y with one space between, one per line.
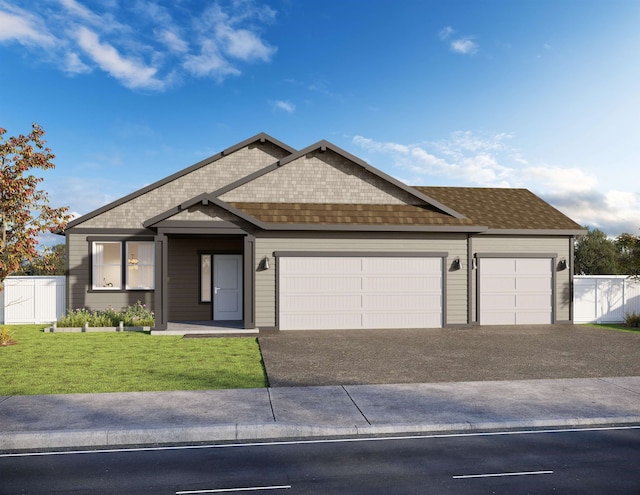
372 228
535 232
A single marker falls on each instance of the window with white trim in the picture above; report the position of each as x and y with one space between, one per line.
114 262
140 265
107 265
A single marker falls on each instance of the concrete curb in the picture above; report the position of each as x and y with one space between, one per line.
18 441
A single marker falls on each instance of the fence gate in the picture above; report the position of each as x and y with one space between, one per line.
32 300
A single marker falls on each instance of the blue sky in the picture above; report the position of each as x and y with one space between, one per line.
536 94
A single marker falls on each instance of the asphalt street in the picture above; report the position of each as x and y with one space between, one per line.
592 461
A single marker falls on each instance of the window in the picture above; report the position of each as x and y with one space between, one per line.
107 265
205 278
137 269
140 265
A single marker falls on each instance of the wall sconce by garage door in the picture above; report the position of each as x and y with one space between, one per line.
457 264
562 265
264 264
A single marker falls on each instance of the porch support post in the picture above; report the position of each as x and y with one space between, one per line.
161 295
249 282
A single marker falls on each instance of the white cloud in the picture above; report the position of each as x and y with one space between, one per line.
557 179
80 11
74 65
132 73
243 44
19 25
472 159
446 32
465 46
209 62
143 44
172 40
285 106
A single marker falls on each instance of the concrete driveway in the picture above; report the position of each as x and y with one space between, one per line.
331 357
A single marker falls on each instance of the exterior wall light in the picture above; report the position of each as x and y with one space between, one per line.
264 264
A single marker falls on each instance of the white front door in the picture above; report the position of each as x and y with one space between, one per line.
227 287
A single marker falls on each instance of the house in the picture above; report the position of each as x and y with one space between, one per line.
268 236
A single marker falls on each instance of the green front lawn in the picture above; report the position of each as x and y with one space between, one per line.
63 363
616 326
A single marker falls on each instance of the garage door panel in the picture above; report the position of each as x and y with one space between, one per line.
322 266
523 297
534 302
412 303
492 283
319 303
502 301
400 320
376 292
499 266
532 318
533 265
409 284
324 283
500 318
533 284
321 321
388 265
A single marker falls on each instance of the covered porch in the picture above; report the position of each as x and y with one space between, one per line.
205 282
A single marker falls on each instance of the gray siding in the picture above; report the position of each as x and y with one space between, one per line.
454 244
79 293
560 245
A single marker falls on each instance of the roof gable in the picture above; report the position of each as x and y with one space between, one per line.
207 175
325 173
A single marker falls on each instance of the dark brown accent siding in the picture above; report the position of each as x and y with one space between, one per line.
184 274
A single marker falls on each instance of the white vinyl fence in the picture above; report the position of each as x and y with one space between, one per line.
32 300
604 298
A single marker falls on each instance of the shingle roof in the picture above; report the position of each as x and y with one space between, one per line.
500 208
359 214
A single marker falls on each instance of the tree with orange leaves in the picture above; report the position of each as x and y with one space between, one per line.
24 209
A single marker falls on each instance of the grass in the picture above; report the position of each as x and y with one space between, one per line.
621 327
63 363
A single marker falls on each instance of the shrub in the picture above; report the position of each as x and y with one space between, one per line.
6 336
137 316
632 319
133 316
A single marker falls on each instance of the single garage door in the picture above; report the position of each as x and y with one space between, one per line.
317 293
515 291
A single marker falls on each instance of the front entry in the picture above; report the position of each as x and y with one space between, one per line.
227 287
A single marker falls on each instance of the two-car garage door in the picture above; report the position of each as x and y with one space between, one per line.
344 292
515 291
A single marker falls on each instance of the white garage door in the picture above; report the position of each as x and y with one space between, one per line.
515 291
318 293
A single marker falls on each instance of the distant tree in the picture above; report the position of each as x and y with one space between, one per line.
628 246
595 254
52 261
24 209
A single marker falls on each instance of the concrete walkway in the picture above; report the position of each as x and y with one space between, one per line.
91 420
